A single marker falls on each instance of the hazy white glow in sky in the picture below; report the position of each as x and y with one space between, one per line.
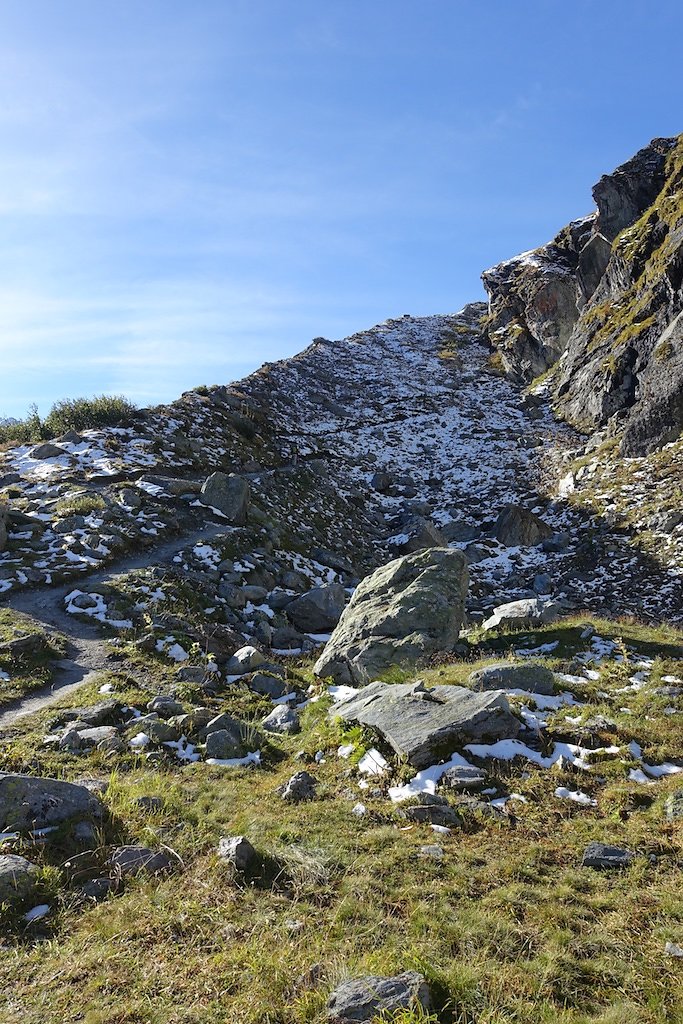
189 189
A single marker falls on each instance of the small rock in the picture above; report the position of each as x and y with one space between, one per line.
165 707
246 659
149 804
131 860
673 806
361 1000
432 852
237 850
517 526
599 855
222 745
301 786
97 888
229 494
463 777
283 719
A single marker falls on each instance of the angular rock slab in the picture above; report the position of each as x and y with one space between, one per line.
425 725
602 856
530 611
28 802
399 615
361 1000
514 676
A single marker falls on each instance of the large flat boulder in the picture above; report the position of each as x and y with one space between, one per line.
228 493
527 612
425 725
511 675
28 803
399 615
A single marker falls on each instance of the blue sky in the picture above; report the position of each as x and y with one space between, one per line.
188 189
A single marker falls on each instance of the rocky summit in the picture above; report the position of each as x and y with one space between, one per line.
259 645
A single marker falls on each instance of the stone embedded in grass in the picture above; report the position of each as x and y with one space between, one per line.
301 786
165 707
224 744
425 725
600 855
28 802
149 804
237 850
246 659
18 878
132 860
432 809
282 719
514 676
360 1000
462 777
530 611
267 685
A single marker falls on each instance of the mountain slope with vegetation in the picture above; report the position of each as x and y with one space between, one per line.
352 691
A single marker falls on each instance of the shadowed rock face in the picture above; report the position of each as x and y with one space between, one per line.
399 615
424 725
606 296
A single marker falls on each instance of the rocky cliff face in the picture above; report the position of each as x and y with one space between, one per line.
602 306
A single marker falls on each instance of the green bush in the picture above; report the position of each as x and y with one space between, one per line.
69 414
87 413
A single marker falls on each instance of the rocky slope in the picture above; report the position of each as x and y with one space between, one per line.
225 795
601 304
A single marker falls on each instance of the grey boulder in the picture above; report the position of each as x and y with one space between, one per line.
425 725
318 610
282 719
229 494
530 611
399 615
514 676
362 1000
28 802
17 878
223 745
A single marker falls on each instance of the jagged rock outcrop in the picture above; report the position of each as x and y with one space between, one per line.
399 615
603 303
